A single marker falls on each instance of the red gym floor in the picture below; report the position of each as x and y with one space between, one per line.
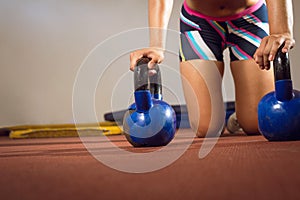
238 167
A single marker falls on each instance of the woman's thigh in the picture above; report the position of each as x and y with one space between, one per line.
251 84
202 86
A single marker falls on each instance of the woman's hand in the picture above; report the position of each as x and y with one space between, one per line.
269 46
155 54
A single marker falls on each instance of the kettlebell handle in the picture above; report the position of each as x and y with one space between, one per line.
144 81
281 65
282 76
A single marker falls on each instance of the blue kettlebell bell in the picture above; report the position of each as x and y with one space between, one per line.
279 111
150 121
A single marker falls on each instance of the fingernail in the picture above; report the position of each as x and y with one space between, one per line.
152 72
270 57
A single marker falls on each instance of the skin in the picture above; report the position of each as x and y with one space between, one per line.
253 78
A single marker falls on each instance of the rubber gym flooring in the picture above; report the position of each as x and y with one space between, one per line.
238 167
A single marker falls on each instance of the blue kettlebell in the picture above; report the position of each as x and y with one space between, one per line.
149 121
279 111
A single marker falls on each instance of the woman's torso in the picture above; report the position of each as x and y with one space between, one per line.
220 8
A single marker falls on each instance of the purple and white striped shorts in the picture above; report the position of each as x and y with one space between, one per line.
204 37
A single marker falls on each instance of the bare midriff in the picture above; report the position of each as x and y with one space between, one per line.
220 8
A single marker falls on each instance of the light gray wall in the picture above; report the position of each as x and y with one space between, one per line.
43 45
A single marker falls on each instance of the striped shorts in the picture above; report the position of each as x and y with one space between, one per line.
204 37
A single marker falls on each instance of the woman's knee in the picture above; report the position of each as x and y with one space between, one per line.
203 128
248 122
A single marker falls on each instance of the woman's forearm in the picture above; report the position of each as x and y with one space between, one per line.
280 16
159 12
281 23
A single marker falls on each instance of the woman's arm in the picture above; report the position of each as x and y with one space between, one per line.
280 14
159 12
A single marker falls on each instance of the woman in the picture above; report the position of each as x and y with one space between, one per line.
252 35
